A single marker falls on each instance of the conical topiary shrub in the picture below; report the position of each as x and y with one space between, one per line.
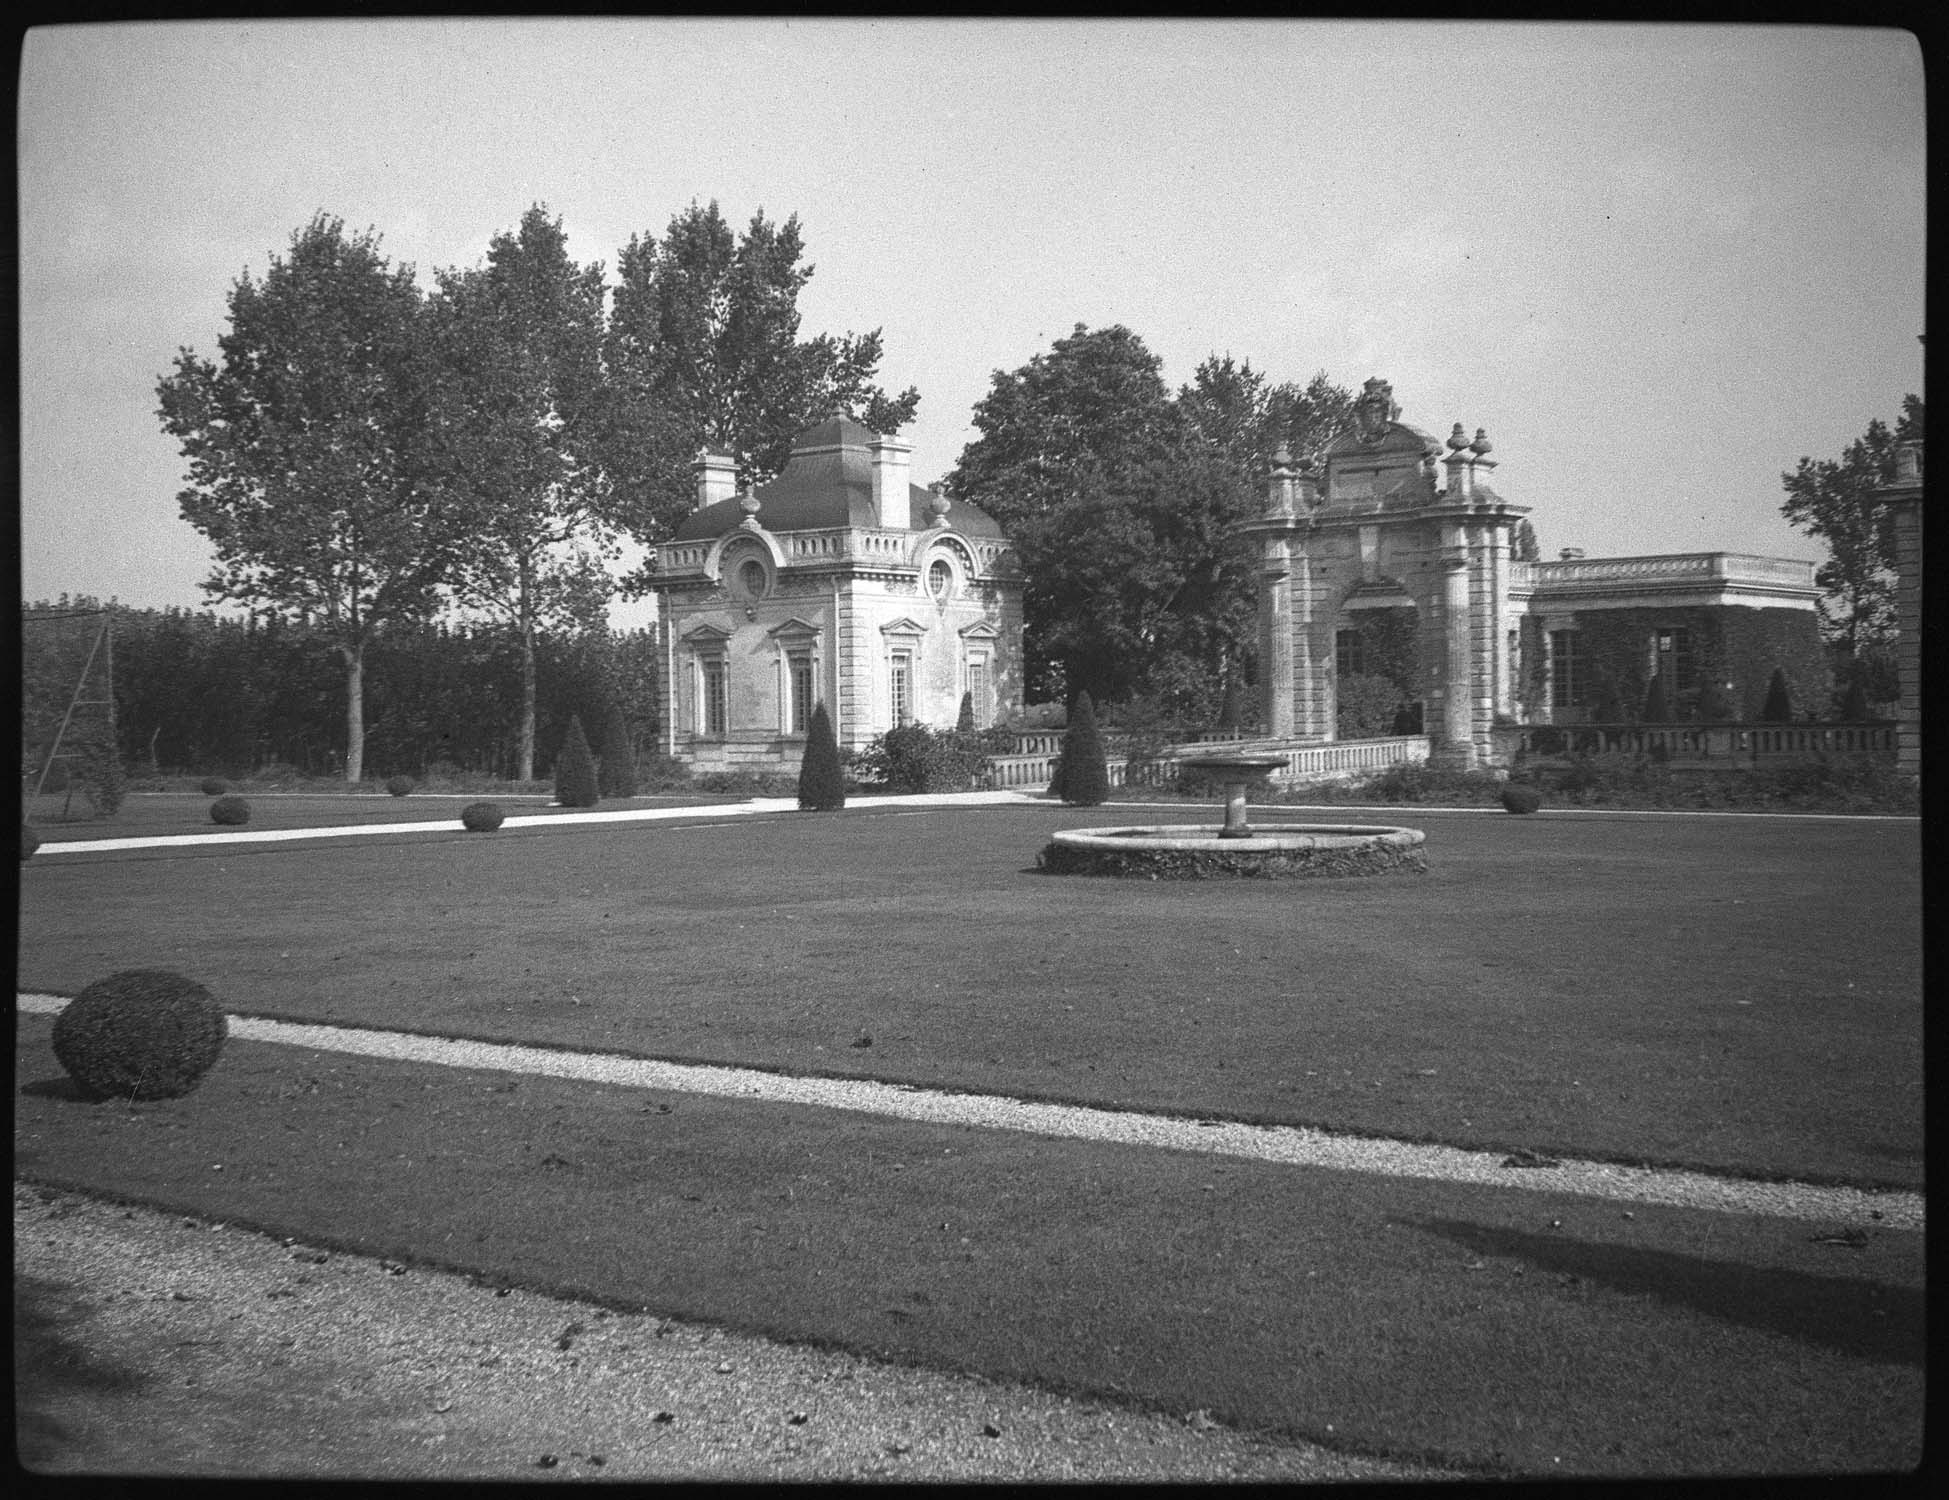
964 721
575 769
232 810
616 766
140 1034
481 817
1854 705
822 779
1085 773
1778 708
1657 701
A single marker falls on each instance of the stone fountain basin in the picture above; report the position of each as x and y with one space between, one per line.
1199 851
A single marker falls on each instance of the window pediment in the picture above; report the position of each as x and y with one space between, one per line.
903 626
794 631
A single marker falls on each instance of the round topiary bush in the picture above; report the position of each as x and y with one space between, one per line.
140 1034
481 817
214 786
230 810
1520 798
29 842
399 786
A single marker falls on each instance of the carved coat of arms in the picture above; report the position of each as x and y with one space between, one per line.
1374 411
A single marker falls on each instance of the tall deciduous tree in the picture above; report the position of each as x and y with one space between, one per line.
704 353
1836 501
522 396
1121 501
308 452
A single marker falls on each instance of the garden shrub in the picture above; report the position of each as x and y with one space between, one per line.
140 1034
616 766
822 780
29 842
232 810
399 786
575 769
1854 706
214 786
1517 797
914 758
103 780
1778 708
964 721
481 817
1085 772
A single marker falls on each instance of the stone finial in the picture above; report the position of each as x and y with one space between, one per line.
749 503
1456 440
1481 445
937 507
1281 457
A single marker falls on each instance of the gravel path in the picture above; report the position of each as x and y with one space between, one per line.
244 1355
1293 1145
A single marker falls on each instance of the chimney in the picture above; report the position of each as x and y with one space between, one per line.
892 502
717 477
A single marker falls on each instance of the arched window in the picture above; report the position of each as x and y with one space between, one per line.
940 578
752 578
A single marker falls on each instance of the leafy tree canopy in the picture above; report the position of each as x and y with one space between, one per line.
522 399
311 466
1837 502
1121 500
704 353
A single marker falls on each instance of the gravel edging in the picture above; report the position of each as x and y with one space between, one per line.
245 1355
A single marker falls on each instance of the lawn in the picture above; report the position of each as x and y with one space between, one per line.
1736 994
1739 994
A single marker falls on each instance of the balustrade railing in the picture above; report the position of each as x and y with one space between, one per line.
1700 744
1307 762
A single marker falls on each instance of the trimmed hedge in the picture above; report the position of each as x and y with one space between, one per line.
1084 773
616 766
1520 798
481 817
575 769
214 786
399 786
232 810
140 1034
822 779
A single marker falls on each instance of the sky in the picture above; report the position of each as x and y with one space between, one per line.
1658 264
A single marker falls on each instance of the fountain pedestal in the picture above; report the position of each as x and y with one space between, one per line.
1238 774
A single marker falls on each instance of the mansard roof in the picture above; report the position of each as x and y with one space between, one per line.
827 484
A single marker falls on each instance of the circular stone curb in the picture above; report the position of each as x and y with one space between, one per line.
1195 851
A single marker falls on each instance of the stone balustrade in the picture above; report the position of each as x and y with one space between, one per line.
1304 762
1732 567
1731 744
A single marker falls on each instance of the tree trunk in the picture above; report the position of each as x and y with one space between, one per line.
525 770
354 713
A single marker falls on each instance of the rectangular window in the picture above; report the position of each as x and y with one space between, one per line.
801 670
901 684
978 688
712 710
1673 654
1567 669
1349 659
